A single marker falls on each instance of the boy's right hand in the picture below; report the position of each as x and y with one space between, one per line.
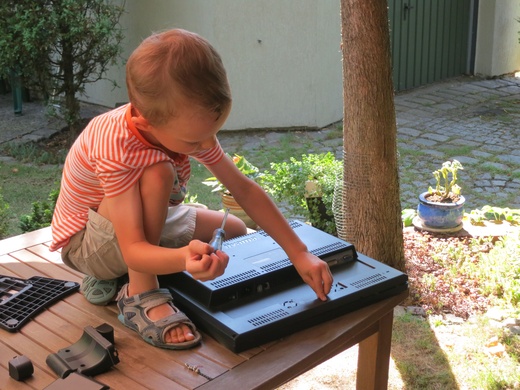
203 263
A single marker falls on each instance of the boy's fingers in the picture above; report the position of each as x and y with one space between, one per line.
327 280
198 246
219 264
322 285
320 293
210 266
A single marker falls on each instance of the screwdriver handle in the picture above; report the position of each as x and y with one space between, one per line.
219 235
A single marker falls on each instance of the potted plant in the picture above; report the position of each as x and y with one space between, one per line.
442 207
228 201
307 186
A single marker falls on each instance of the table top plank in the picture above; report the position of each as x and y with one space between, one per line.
11 266
22 241
44 267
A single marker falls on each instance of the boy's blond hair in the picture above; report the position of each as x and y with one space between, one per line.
171 65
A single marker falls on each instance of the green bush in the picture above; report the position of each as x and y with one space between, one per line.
286 182
41 215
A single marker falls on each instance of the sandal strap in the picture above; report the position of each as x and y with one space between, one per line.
149 299
173 319
134 311
156 330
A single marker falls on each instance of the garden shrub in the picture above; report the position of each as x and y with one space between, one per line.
286 182
41 215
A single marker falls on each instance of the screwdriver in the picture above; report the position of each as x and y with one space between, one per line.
219 234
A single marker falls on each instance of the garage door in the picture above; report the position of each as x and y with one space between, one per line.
430 40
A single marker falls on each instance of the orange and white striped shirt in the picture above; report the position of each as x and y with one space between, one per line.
107 159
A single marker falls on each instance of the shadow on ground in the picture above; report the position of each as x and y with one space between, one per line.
418 356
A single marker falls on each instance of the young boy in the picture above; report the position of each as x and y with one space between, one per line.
120 207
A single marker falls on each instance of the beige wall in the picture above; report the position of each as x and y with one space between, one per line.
498 49
283 57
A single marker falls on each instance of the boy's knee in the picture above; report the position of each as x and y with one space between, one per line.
158 177
235 227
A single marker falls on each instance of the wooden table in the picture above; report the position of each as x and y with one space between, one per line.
145 367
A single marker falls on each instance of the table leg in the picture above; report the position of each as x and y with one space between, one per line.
374 356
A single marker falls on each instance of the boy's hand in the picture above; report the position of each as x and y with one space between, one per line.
315 272
203 263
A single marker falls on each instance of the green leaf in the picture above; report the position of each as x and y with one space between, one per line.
407 215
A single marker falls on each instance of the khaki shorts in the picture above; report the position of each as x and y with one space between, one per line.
95 250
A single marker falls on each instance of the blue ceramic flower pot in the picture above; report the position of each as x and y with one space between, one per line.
440 215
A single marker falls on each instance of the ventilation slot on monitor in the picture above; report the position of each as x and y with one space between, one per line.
374 279
232 280
268 317
328 248
276 265
241 240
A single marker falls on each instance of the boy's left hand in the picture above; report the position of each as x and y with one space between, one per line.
315 272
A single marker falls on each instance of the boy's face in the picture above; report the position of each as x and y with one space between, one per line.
194 129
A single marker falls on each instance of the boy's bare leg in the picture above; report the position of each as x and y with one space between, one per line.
155 186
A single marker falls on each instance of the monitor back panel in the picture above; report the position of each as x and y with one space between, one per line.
257 264
254 321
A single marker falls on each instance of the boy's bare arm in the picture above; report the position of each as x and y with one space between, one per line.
126 214
266 214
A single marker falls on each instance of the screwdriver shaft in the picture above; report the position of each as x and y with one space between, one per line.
219 234
225 218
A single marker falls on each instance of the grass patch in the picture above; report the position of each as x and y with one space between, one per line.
283 150
337 133
405 152
459 151
418 356
23 184
433 355
471 363
489 167
31 152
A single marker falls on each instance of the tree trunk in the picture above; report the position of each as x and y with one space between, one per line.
71 106
371 203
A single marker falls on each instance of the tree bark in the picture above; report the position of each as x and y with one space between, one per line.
71 107
371 202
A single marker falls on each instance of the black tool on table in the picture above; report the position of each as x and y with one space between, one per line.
219 235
